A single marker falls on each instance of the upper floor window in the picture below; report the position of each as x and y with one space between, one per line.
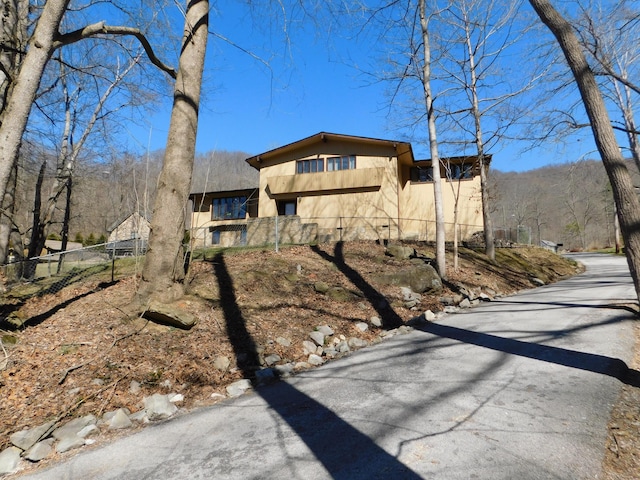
346 162
422 174
310 166
459 171
229 207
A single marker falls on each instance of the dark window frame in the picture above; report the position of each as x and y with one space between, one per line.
343 162
421 174
229 208
310 165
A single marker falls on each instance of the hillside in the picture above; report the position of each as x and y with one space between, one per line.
81 352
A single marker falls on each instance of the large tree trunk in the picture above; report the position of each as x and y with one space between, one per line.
627 203
40 48
163 272
36 243
433 143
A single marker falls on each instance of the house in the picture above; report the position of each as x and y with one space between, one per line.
221 205
331 187
129 236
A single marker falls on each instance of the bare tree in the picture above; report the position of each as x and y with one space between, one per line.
69 153
45 39
610 38
433 138
164 268
627 202
476 34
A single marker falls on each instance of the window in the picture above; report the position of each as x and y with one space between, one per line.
460 172
310 166
287 207
422 174
346 162
215 237
229 208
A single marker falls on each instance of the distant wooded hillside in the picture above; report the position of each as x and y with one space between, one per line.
567 203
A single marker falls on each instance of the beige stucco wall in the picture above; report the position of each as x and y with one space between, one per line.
331 199
418 209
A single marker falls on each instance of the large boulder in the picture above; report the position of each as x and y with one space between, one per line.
400 251
420 278
169 314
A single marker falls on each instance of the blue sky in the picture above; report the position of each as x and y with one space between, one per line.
308 87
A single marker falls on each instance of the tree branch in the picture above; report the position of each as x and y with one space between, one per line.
100 28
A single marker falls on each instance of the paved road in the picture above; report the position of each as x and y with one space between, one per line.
519 388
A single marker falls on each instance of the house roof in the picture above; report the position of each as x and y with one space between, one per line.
223 183
123 219
404 151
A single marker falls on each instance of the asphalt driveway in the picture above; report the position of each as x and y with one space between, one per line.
517 388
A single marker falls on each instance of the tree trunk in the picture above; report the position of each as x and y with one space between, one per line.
163 272
65 224
627 203
433 144
6 216
36 243
26 85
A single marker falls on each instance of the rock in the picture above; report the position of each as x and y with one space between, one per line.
265 375
272 359
238 388
166 383
285 370
317 337
537 281
285 342
176 398
69 442
120 420
400 251
355 342
158 407
363 327
315 359
409 297
429 316
134 387
376 321
141 416
343 347
340 294
9 460
330 352
450 309
25 439
309 347
301 366
88 431
321 287
39 451
73 427
326 330
169 314
420 278
97 381
221 363
106 418
465 303
484 297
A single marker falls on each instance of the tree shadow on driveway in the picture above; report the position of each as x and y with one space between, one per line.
612 367
344 451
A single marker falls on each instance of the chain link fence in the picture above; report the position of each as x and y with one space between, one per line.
292 229
118 259
112 260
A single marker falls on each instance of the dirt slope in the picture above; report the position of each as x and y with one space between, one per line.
80 349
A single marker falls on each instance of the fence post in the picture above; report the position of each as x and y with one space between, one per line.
277 234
